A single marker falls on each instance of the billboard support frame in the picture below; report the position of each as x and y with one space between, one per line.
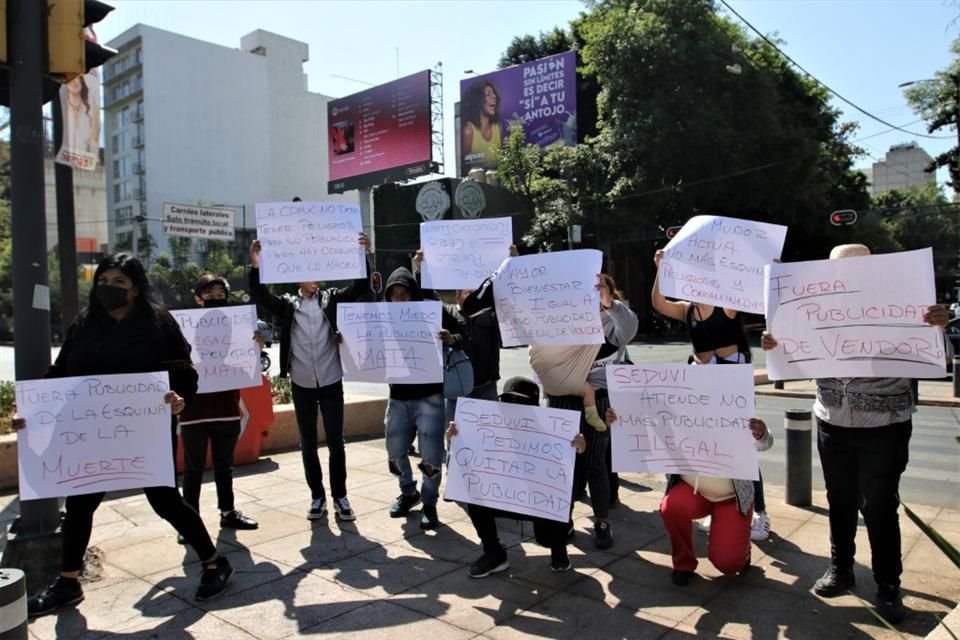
436 118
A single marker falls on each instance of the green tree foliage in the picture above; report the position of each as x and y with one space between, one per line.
938 103
679 135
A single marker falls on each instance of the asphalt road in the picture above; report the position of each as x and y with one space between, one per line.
932 477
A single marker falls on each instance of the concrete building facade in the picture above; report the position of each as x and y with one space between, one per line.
191 122
903 167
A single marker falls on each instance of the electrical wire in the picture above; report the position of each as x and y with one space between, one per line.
823 84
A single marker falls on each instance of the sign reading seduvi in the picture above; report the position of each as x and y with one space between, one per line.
94 433
513 457
459 254
223 349
854 317
674 418
306 241
719 261
192 221
393 342
549 298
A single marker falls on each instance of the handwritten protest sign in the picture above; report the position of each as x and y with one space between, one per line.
719 261
394 342
854 317
94 433
549 298
674 418
513 457
459 254
223 349
306 241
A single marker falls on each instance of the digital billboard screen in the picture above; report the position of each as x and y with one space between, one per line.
540 95
381 134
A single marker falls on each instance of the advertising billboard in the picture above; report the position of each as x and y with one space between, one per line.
380 134
540 95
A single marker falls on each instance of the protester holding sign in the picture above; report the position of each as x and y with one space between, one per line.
549 533
309 354
124 330
863 437
417 409
718 337
212 418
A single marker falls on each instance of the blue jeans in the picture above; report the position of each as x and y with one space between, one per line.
486 391
425 418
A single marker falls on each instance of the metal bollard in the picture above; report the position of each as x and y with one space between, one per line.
956 376
13 604
798 424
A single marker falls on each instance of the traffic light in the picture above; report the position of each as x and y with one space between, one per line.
69 52
672 231
843 218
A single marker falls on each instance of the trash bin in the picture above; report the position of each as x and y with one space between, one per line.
256 411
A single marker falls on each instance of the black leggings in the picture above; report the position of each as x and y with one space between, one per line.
166 502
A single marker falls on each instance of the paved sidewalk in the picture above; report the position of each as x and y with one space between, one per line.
937 393
384 578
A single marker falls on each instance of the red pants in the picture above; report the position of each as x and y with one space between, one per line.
729 546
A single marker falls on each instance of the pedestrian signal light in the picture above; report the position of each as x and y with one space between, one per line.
376 282
672 231
843 218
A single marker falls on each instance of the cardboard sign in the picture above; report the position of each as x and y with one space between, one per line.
513 457
854 317
223 349
94 433
393 342
719 261
674 418
549 298
460 254
310 241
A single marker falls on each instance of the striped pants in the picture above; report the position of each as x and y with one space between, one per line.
591 466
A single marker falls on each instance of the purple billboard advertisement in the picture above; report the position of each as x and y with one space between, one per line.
540 95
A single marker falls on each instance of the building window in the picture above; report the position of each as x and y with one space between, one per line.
124 215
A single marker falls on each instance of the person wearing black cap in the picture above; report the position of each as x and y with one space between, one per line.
549 533
212 418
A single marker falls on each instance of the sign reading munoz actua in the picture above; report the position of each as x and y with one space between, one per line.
191 221
513 457
94 433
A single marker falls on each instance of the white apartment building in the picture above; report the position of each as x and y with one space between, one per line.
191 122
903 167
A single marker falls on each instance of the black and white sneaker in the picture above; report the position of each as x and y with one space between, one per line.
318 509
489 563
213 580
560 561
602 535
342 510
62 592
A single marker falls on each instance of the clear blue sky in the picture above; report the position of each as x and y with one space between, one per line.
861 48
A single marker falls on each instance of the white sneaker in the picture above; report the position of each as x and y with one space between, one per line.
760 528
704 525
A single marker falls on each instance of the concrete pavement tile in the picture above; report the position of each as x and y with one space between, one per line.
124 533
926 557
287 606
531 563
189 623
250 571
565 615
274 523
152 556
386 571
387 621
473 604
377 525
119 604
308 549
949 529
383 489
454 541
786 568
283 493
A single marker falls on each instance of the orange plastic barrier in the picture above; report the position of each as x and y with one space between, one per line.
256 410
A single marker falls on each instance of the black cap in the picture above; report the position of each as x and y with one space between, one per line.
520 390
208 280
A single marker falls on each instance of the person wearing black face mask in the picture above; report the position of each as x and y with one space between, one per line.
125 330
212 418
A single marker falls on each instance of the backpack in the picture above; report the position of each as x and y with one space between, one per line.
457 373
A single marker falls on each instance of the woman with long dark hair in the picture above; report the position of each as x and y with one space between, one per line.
125 330
482 134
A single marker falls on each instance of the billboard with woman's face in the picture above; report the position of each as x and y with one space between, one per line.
540 96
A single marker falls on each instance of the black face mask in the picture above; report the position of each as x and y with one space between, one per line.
215 302
110 297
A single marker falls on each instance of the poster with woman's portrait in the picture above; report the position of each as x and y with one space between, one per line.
80 103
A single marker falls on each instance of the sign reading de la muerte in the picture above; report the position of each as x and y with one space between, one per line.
192 221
